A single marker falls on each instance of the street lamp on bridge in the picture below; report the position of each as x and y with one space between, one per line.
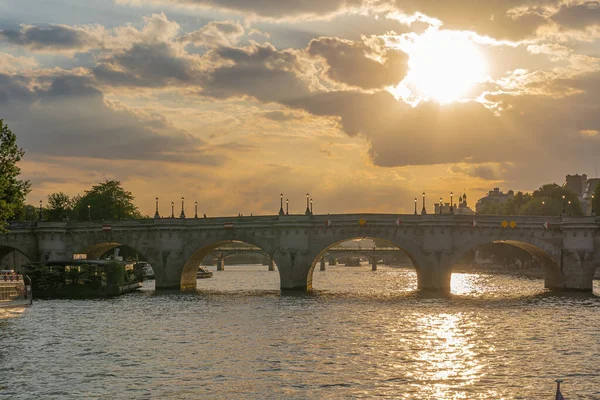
543 204
423 210
89 211
570 210
451 206
441 204
287 206
40 210
195 210
415 206
172 210
563 204
311 212
182 215
307 212
593 209
156 214
281 204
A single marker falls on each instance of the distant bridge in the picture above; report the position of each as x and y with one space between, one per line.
567 248
373 253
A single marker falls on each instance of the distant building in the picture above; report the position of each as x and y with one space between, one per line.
461 209
576 183
584 188
494 196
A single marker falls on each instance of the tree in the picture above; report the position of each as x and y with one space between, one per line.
547 200
596 199
12 190
106 201
552 195
492 208
59 207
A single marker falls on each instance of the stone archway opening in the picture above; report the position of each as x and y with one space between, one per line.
233 265
13 258
504 266
360 264
120 252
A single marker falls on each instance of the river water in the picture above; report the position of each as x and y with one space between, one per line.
362 334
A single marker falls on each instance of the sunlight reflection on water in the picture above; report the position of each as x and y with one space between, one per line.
361 334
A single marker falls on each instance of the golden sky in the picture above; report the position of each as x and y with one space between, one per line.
362 103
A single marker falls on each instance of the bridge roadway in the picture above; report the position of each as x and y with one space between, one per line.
568 250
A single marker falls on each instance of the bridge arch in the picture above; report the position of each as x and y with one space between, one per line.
17 252
409 247
194 256
95 251
545 254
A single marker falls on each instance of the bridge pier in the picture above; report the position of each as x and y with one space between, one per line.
374 264
433 278
576 273
271 264
323 264
221 264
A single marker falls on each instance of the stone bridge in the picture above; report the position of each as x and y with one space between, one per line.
567 248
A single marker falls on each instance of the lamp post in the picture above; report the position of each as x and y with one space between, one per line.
451 206
570 211
281 204
441 204
423 210
307 212
182 215
311 212
543 204
593 208
195 210
415 206
40 211
156 214
287 206
89 212
563 204
172 210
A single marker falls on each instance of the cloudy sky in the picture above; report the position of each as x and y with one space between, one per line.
363 103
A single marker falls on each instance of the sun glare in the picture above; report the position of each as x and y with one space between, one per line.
443 66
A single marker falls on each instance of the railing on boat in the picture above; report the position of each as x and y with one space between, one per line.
13 287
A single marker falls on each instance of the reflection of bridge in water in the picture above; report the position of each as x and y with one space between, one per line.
566 248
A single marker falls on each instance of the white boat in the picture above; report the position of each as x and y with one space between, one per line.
203 273
148 271
15 289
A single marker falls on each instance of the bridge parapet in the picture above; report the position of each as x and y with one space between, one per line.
295 242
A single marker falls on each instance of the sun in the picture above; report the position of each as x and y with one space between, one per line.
443 66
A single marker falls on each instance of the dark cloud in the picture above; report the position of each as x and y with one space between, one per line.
67 116
512 19
477 171
146 64
55 37
259 71
276 9
361 64
579 15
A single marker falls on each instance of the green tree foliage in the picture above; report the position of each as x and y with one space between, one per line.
60 206
12 190
106 201
547 200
